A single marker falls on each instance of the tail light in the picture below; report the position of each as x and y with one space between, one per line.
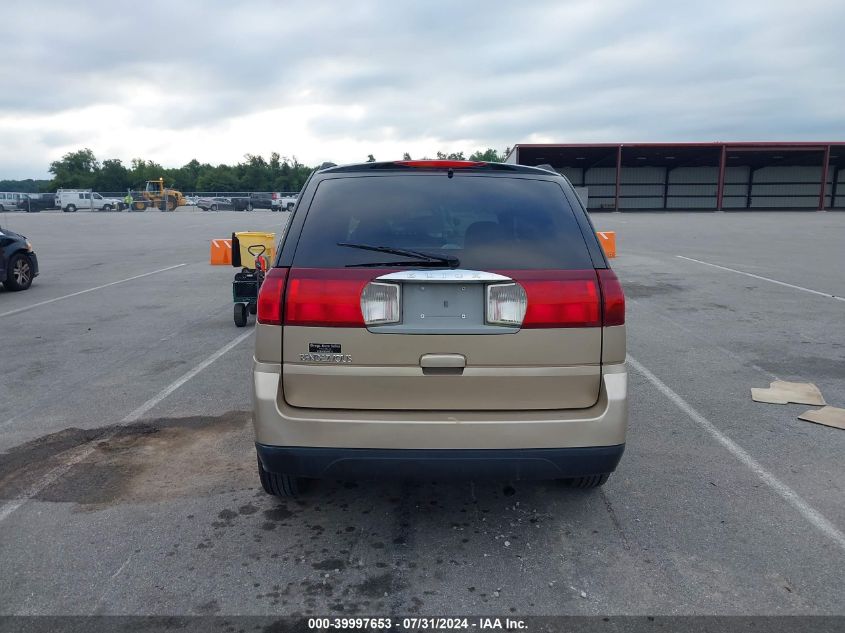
506 304
270 297
325 298
560 298
613 298
350 298
380 303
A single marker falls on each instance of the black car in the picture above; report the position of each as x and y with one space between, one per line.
18 263
34 202
253 201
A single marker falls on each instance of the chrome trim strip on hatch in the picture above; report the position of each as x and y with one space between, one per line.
441 276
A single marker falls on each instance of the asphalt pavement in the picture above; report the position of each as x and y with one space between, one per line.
128 482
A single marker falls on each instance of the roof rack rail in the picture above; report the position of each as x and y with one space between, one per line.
326 165
547 167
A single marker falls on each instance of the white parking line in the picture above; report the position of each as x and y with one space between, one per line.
82 292
774 281
53 475
693 334
161 395
815 518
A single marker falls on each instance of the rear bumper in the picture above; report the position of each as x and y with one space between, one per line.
281 425
511 464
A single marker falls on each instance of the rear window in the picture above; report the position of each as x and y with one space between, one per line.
488 223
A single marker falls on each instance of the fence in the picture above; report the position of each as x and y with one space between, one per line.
208 194
10 201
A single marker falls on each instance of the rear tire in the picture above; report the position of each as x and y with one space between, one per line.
279 485
588 481
240 314
71 208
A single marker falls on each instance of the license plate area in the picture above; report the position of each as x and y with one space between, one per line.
442 308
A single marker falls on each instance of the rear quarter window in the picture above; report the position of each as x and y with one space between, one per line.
487 222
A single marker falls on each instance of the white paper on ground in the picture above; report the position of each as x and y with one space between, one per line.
782 392
829 416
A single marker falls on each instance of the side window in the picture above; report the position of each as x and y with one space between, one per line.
81 197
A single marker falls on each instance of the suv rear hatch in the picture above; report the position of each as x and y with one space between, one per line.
441 291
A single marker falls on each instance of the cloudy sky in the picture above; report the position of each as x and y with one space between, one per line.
172 81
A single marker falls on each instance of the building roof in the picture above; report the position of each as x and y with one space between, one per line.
691 153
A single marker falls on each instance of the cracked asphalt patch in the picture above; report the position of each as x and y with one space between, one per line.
151 460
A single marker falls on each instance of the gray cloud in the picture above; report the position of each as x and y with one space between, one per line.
491 73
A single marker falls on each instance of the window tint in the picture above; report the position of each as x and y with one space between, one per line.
489 223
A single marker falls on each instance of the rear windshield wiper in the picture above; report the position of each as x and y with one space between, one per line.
428 259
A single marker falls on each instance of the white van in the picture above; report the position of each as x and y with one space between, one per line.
69 200
9 200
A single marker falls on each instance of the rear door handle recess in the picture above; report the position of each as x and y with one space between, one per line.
434 364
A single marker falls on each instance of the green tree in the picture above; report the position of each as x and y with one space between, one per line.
489 155
24 186
144 170
254 174
185 178
371 158
81 169
75 170
221 178
406 156
297 174
112 176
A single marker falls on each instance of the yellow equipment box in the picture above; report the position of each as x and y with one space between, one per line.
242 258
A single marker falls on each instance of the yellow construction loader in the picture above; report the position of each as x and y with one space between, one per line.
156 195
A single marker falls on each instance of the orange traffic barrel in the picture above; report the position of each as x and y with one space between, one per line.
608 242
221 252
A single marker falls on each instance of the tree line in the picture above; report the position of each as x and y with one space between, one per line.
82 170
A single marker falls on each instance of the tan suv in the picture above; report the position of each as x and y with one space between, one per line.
439 318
